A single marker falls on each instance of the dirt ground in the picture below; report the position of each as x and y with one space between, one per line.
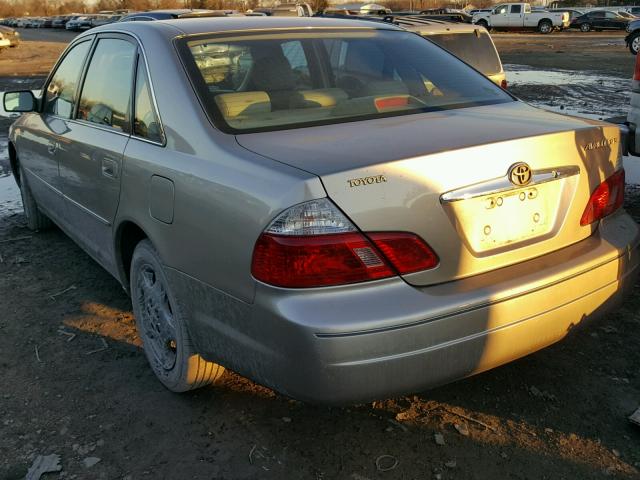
75 382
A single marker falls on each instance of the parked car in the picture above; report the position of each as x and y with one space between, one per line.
61 22
447 15
100 20
167 15
472 44
46 23
633 39
80 23
600 20
519 16
633 10
628 15
633 116
33 22
340 210
21 22
11 35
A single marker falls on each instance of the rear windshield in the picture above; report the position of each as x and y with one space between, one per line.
474 48
270 81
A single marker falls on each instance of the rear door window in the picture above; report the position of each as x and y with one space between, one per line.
60 97
106 94
516 8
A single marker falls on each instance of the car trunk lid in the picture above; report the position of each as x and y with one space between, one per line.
446 177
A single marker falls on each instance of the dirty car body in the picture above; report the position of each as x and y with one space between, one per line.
343 210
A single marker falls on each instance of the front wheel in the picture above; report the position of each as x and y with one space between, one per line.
162 327
483 23
585 27
634 43
545 26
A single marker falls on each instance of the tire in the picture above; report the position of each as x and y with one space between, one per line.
36 220
545 26
161 326
483 23
585 27
634 43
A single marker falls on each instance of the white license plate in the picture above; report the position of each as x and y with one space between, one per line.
495 221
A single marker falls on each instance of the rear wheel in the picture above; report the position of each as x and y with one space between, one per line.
162 328
585 27
545 26
634 43
36 220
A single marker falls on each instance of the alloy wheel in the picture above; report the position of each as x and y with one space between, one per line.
157 317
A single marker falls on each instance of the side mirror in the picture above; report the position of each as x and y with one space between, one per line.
19 102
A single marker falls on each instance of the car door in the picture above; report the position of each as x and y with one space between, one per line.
500 16
614 21
597 20
91 165
44 133
516 16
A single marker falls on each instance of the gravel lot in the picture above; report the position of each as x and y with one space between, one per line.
75 382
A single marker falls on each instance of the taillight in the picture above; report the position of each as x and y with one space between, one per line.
503 83
605 199
407 252
314 245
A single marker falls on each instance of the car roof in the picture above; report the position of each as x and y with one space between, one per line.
194 26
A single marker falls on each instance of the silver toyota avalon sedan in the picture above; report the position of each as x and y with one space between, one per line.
339 210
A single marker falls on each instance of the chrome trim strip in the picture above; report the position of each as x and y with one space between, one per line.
502 184
97 126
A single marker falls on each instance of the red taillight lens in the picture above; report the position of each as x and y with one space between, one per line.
504 85
317 260
337 259
407 252
605 199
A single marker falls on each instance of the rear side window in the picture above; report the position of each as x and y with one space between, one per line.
270 81
106 93
516 8
146 123
60 96
474 48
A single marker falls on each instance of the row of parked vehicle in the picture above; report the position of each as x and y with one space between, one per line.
70 22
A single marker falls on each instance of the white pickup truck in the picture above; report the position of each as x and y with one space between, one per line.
519 16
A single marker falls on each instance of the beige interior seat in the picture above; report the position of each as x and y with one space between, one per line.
243 103
322 97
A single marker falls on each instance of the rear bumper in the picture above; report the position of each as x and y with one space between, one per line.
375 340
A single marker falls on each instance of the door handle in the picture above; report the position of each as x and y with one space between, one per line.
52 148
109 168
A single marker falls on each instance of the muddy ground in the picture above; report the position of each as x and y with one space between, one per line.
75 382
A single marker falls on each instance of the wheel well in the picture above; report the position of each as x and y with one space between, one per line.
13 162
129 235
545 20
